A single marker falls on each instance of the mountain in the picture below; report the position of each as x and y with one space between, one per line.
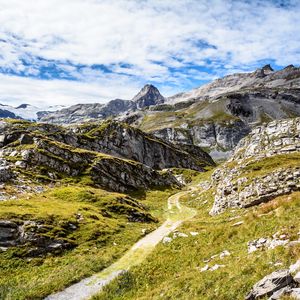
148 96
80 113
25 111
215 116
218 115
264 77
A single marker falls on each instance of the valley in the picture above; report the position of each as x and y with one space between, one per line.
195 196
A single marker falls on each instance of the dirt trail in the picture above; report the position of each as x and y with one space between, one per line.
90 286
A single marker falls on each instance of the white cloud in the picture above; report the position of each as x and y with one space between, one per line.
16 90
142 40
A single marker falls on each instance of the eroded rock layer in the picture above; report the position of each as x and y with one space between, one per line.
264 165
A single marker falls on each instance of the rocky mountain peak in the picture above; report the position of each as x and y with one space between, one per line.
148 95
25 105
289 67
264 71
267 69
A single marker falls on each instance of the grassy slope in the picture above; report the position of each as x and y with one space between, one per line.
197 114
173 270
101 239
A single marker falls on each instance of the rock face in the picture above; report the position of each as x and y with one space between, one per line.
113 155
270 284
219 138
30 233
264 165
277 285
124 141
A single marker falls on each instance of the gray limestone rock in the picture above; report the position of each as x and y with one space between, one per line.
270 284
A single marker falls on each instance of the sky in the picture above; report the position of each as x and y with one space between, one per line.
63 52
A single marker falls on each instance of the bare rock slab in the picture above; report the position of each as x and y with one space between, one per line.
270 284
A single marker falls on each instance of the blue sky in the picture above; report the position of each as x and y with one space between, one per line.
66 52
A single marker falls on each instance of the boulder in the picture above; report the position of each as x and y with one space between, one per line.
9 233
270 284
6 173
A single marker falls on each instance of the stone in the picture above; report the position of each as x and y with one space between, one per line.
237 224
270 284
205 268
295 293
297 277
194 233
167 240
6 173
180 234
282 292
295 267
216 267
9 233
26 139
224 254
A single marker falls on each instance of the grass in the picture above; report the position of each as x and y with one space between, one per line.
267 165
103 234
172 271
264 166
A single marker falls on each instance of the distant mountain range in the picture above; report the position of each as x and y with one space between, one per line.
148 96
214 116
26 111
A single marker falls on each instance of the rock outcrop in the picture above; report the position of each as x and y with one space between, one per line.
277 285
121 140
218 138
270 284
14 234
264 165
113 155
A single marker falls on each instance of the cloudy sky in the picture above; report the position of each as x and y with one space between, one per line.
70 51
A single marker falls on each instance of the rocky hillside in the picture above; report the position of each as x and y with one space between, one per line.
221 113
109 155
244 240
26 111
264 77
265 164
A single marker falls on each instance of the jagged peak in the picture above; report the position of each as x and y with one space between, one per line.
24 105
267 68
148 95
148 88
264 71
289 67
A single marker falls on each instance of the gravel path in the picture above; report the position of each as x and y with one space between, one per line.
90 286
